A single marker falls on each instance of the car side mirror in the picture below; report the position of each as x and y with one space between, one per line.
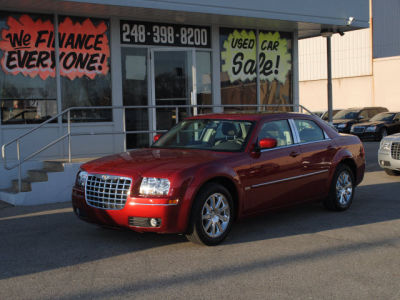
157 137
267 143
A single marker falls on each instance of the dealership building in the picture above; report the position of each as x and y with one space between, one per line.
176 57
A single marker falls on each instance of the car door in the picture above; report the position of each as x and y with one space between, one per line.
317 152
267 182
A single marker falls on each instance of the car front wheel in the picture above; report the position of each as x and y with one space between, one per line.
212 215
341 192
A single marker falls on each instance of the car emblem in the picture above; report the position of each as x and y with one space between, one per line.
105 177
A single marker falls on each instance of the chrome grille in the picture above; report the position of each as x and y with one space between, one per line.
395 151
107 192
358 129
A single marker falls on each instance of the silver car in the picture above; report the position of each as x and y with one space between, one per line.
389 154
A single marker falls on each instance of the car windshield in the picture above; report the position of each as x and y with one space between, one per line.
383 117
347 114
207 134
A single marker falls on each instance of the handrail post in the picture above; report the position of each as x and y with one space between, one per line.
19 168
176 115
69 135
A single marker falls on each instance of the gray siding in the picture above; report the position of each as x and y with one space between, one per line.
386 26
311 11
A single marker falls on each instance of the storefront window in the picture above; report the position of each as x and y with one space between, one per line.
28 67
275 59
238 66
85 67
27 77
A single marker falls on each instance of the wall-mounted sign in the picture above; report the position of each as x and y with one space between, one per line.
239 56
28 48
162 34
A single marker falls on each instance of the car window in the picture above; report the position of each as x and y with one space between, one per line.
346 114
383 117
279 130
309 131
207 134
364 113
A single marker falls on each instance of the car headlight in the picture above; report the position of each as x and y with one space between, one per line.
81 178
371 129
154 186
342 126
385 145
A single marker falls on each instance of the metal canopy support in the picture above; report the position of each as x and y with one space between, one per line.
328 36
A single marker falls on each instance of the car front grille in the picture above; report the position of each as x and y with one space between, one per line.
395 151
358 129
107 192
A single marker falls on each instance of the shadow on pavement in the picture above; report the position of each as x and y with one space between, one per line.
39 243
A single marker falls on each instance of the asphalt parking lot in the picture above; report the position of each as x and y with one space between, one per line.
303 253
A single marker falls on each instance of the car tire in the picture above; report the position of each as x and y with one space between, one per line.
212 215
341 191
392 172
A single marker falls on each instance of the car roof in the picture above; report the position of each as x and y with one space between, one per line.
251 116
367 107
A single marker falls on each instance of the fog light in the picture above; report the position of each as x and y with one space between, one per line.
155 222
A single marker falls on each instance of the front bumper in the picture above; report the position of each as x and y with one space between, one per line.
366 135
386 161
135 208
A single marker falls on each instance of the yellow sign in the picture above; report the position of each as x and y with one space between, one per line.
239 56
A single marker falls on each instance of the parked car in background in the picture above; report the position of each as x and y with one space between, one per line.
344 119
378 126
324 114
210 170
389 154
318 113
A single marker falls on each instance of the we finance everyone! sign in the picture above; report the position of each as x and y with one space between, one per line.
28 48
239 56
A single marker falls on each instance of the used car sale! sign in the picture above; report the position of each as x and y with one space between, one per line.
239 56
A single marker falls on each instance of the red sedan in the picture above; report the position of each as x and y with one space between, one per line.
210 170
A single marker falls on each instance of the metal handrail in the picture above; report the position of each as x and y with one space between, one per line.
69 134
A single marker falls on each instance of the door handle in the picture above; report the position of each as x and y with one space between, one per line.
294 153
330 147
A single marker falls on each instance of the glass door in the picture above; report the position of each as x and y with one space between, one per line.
157 77
173 83
135 93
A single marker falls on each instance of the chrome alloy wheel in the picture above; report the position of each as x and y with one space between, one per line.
215 215
344 188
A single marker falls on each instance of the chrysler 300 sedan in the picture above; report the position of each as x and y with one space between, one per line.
210 170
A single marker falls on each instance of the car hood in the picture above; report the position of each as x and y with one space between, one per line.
344 121
393 137
371 123
151 162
